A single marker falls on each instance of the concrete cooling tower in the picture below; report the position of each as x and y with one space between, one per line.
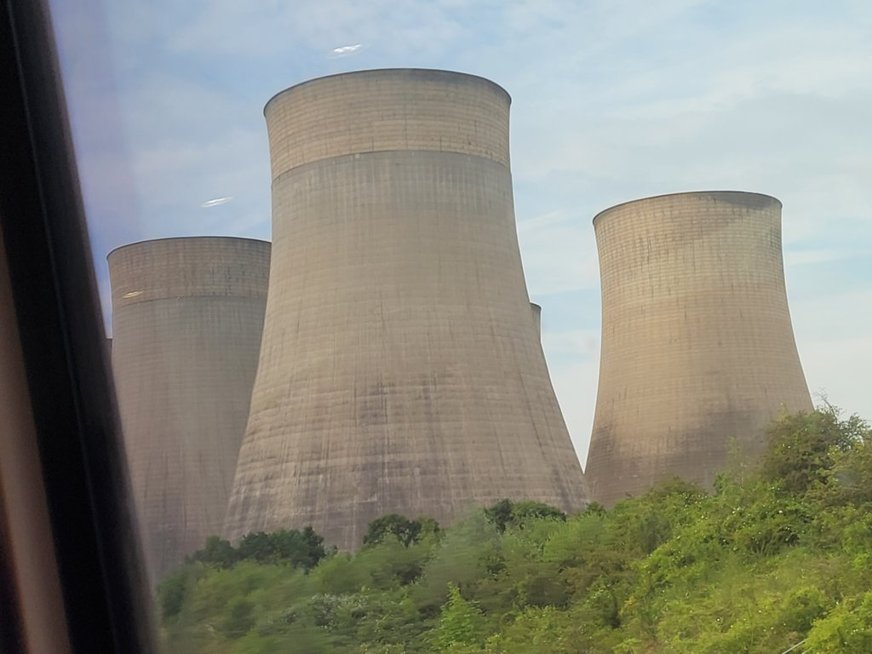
698 353
400 369
187 316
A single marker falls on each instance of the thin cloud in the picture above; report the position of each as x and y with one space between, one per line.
770 101
347 50
214 202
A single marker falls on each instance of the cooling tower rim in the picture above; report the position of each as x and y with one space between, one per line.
766 199
373 71
185 238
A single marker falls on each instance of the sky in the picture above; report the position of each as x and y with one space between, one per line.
613 100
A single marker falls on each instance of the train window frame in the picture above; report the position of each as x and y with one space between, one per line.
56 308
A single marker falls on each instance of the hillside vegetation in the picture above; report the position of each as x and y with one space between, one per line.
773 556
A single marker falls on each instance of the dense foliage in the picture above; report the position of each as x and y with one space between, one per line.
771 557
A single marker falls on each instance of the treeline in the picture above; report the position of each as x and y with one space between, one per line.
772 557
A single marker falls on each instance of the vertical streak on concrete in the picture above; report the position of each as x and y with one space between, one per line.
698 352
400 368
187 317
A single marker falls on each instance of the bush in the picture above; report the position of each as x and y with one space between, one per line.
846 630
506 513
239 618
803 447
773 556
396 526
172 592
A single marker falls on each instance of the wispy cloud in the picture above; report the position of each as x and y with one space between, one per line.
612 100
216 202
346 50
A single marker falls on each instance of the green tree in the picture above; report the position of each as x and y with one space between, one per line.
460 623
802 447
301 549
506 513
256 546
463 557
404 530
850 478
846 630
217 551
173 590
239 618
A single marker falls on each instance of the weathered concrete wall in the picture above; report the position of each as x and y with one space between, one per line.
698 352
400 368
187 317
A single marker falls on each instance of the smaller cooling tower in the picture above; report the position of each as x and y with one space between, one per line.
698 353
187 316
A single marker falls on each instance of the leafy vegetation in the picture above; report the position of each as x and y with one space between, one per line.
396 526
767 559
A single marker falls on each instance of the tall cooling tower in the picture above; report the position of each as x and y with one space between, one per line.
698 353
400 370
187 317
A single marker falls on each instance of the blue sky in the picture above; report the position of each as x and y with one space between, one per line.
612 100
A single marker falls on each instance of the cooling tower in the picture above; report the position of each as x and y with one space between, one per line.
187 316
698 353
400 369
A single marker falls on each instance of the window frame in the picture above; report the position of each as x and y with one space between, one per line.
84 475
